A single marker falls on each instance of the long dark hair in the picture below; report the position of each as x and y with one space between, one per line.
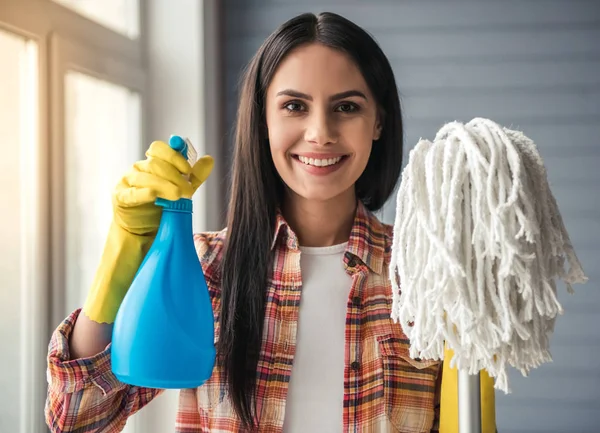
257 189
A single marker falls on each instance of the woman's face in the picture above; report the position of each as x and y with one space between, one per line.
322 120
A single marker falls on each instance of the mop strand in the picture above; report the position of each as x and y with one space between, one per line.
478 245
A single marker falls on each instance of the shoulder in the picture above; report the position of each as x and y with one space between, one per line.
209 242
388 239
210 247
382 248
380 238
387 231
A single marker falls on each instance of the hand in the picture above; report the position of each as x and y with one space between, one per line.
165 173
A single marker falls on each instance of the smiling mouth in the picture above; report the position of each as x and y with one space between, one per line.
320 162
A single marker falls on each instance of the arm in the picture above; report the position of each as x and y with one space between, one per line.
88 337
83 394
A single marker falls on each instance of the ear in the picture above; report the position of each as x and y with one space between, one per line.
377 130
380 115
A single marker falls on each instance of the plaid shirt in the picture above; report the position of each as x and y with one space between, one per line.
384 389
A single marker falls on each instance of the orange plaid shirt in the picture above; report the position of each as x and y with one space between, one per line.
384 389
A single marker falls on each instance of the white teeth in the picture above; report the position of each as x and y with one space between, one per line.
319 162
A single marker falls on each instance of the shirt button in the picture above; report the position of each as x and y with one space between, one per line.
355 365
356 301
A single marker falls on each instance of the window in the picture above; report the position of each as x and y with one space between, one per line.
73 86
102 140
18 175
72 90
119 15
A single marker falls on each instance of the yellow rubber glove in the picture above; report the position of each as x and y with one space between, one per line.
449 399
165 173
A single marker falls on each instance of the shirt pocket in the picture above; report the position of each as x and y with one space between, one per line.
408 386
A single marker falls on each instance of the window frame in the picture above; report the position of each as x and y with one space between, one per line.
34 298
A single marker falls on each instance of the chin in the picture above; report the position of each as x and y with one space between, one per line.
319 195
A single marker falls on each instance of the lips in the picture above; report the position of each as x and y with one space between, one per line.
319 159
320 163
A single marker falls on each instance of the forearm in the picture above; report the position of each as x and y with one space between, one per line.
84 396
89 338
123 253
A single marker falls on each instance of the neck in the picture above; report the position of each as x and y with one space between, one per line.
320 223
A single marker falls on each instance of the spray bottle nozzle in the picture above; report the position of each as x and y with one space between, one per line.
177 143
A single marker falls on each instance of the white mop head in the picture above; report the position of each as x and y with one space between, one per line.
478 244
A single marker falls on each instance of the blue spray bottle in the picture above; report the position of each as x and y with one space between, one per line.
163 336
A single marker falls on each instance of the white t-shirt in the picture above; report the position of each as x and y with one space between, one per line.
315 399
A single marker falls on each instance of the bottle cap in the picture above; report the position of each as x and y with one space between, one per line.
181 205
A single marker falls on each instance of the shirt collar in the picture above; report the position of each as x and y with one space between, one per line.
366 245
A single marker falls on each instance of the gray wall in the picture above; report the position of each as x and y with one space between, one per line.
532 64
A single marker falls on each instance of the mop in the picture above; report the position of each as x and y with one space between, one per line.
478 245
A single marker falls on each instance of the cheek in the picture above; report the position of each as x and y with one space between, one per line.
280 142
363 127
282 137
358 135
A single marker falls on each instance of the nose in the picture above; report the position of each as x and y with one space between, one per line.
319 130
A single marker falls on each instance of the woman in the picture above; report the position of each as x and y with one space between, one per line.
298 281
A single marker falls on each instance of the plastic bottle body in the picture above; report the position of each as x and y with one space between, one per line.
163 335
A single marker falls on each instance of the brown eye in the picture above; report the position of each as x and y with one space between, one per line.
294 106
347 108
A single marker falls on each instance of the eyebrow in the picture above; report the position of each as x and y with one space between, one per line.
336 97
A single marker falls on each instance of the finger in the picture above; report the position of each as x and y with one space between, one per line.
166 171
128 196
161 150
201 170
161 187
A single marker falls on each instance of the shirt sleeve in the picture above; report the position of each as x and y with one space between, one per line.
84 395
437 402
